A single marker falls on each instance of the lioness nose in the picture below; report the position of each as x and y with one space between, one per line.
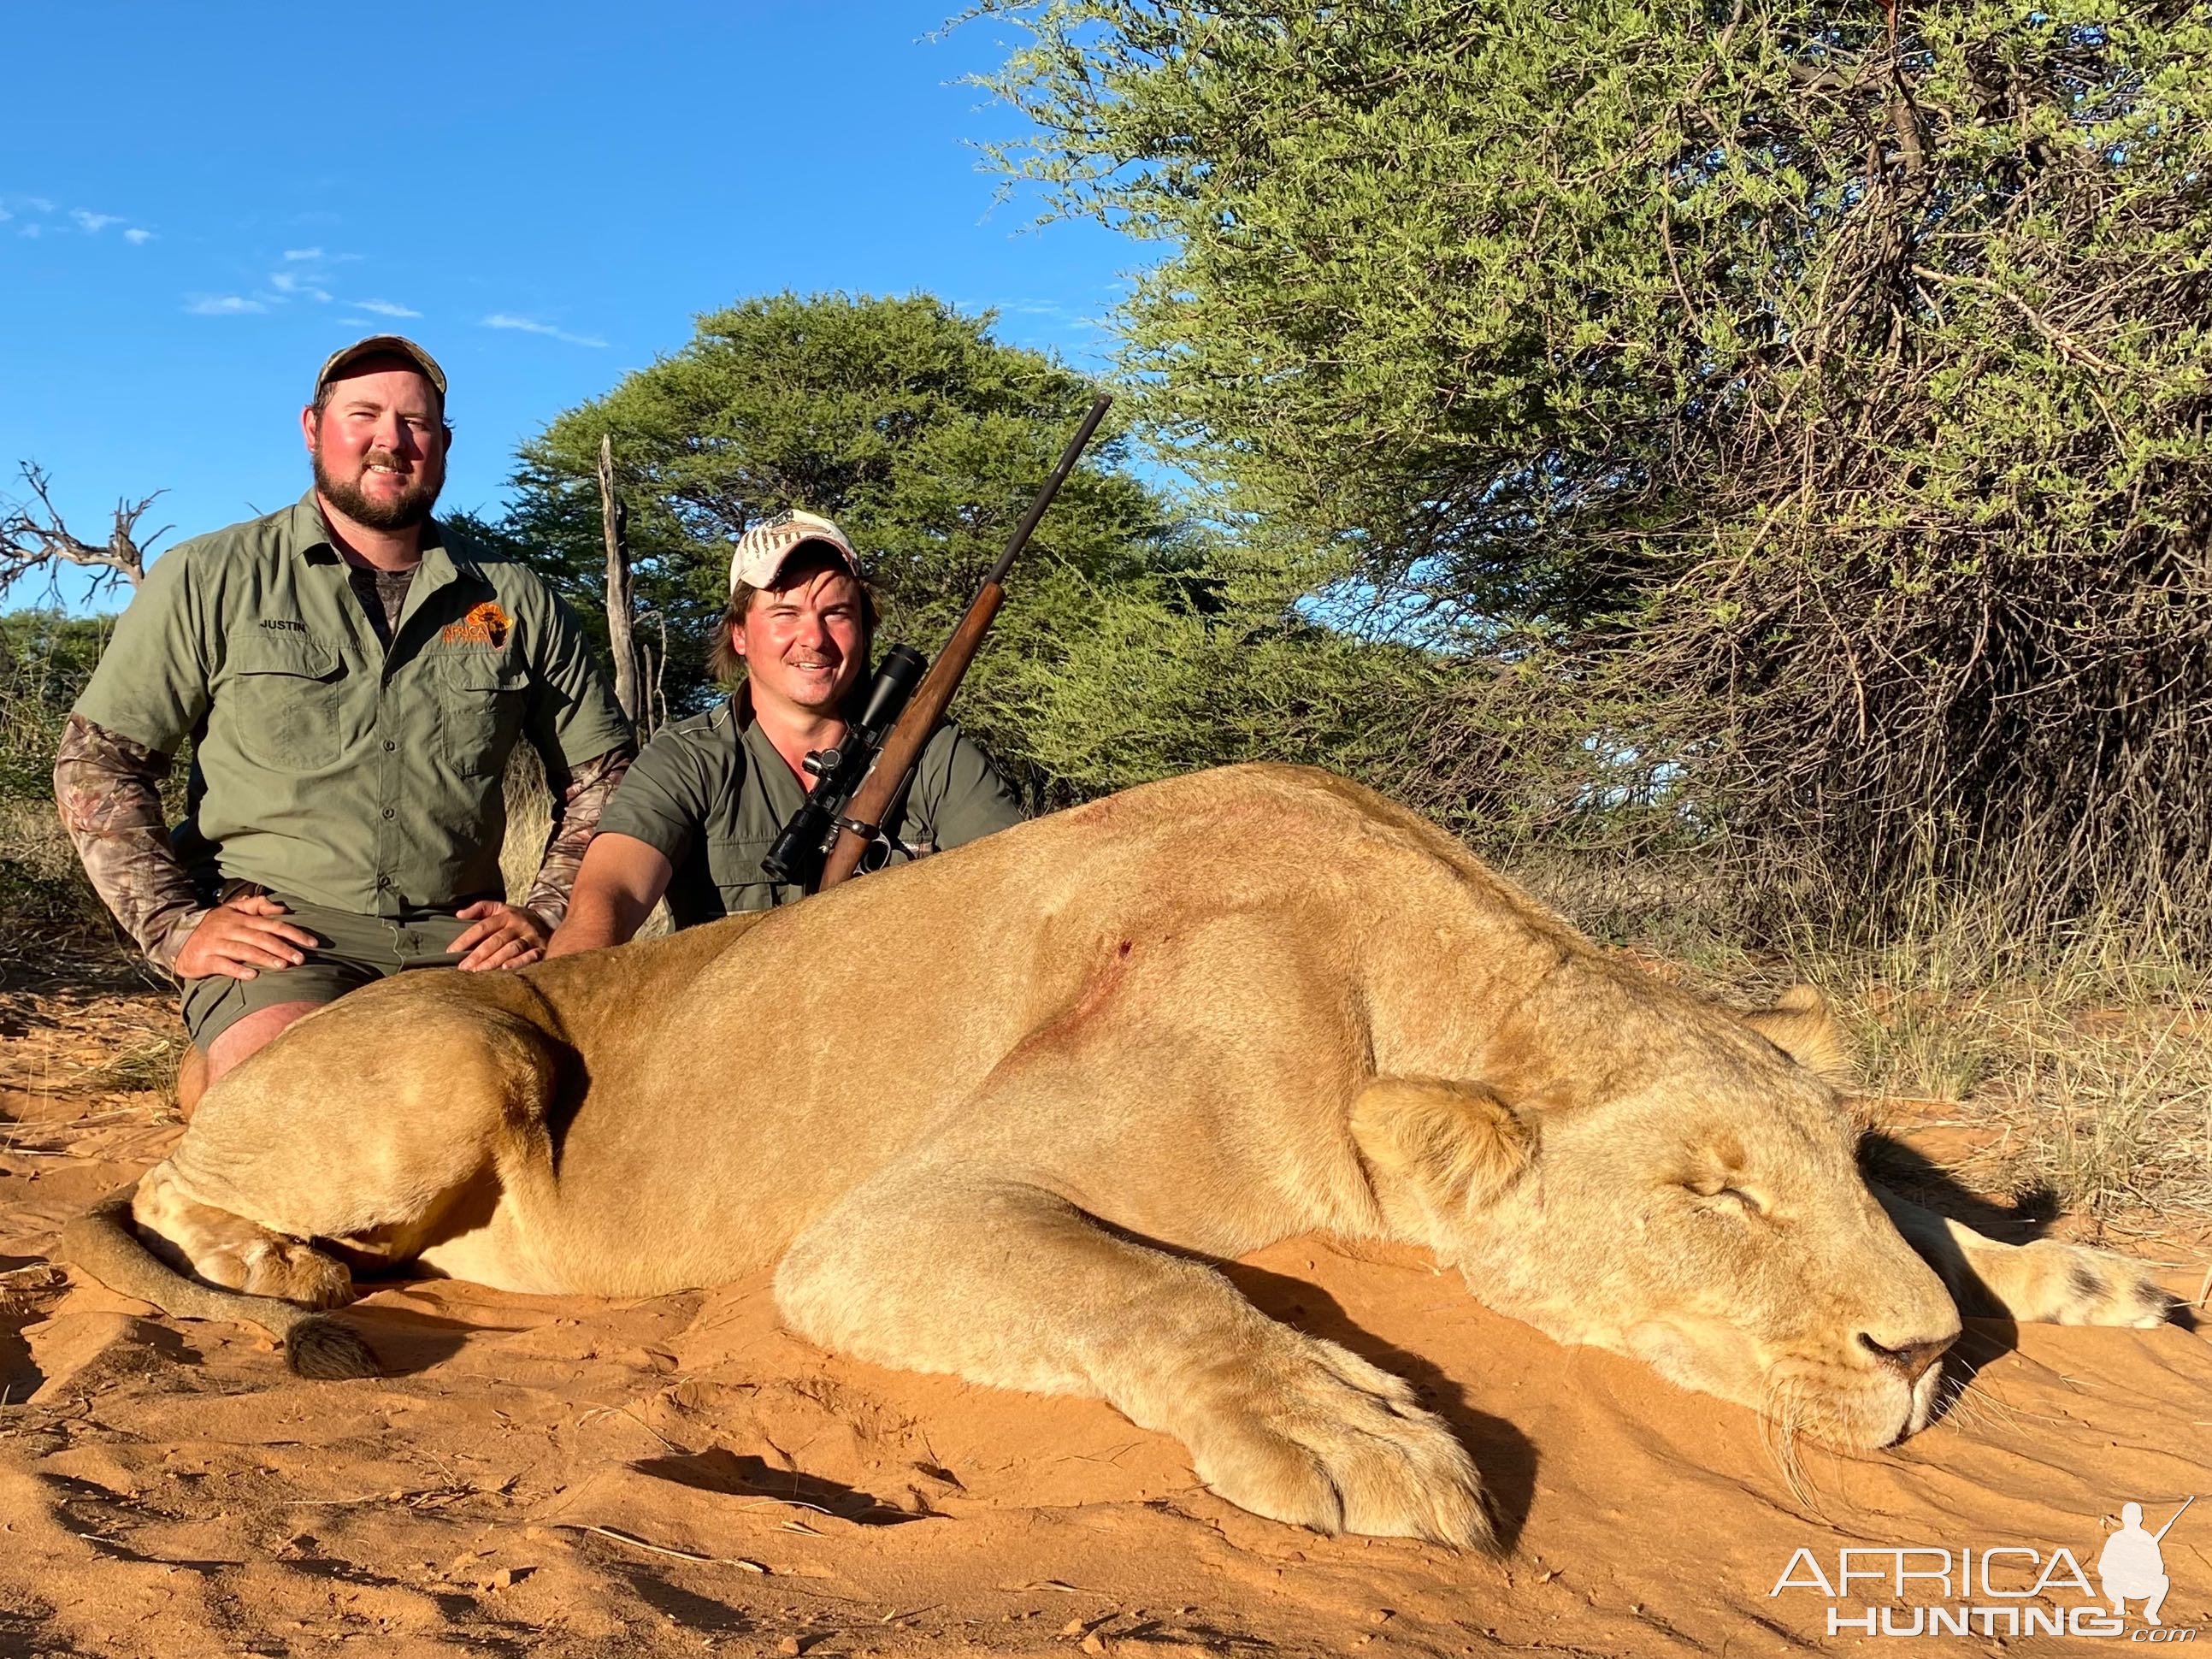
1909 1359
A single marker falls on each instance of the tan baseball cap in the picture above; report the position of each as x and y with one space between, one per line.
381 346
763 549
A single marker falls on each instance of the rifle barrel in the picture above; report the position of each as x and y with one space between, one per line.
1020 539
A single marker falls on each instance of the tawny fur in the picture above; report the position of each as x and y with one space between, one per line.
993 1111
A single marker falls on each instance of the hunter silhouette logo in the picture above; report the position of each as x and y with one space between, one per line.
2132 1567
2000 1589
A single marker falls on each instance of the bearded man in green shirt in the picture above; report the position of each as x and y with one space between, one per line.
354 675
696 816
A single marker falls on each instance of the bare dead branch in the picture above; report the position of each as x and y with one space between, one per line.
34 538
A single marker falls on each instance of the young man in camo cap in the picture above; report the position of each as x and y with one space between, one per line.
699 810
352 675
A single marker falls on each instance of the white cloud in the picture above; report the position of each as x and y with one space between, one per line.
136 237
29 230
93 223
38 204
299 284
224 305
383 308
5 216
531 325
298 254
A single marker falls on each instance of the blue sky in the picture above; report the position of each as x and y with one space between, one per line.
201 200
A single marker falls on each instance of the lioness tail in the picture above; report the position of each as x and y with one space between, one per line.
103 1244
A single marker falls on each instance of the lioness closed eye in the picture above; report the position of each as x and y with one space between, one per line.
1211 1013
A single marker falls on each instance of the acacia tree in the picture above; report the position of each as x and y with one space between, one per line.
1801 407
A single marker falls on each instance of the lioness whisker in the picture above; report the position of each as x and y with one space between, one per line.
1779 1425
1958 1402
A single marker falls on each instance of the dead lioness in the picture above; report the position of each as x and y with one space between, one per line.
987 1108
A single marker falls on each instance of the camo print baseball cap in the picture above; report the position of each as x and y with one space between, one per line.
763 549
381 346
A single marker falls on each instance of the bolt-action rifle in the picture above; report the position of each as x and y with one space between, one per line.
857 782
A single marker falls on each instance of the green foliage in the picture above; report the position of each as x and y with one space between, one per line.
1811 416
45 658
1097 689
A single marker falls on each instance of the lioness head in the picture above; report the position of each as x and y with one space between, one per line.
1709 1220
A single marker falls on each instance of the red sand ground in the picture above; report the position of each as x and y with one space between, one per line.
679 1475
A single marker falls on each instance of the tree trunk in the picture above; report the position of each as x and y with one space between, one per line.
615 523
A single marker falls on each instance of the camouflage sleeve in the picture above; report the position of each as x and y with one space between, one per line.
108 788
576 815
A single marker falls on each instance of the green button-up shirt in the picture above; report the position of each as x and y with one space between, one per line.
710 793
334 772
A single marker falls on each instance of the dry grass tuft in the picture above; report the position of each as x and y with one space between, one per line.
149 1063
48 911
2088 1067
529 821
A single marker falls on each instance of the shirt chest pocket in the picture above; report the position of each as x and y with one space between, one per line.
283 702
480 700
733 865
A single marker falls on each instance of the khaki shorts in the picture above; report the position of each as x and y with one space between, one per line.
354 951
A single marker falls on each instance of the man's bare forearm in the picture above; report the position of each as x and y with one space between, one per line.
599 916
623 880
109 790
582 800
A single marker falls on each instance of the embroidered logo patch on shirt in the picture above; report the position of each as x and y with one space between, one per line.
487 624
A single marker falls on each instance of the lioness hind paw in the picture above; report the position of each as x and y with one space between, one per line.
323 1351
1340 1453
2065 1283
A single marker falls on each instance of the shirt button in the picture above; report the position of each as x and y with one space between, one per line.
389 813
389 745
384 881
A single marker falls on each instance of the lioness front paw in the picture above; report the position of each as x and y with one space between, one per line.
1319 1438
2051 1282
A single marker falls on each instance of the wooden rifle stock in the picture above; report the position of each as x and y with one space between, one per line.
871 803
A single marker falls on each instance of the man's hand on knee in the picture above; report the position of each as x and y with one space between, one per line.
505 936
240 938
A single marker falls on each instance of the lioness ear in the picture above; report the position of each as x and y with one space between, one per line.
1456 1146
1800 1025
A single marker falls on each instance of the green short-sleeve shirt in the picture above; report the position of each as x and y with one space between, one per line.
334 772
710 793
